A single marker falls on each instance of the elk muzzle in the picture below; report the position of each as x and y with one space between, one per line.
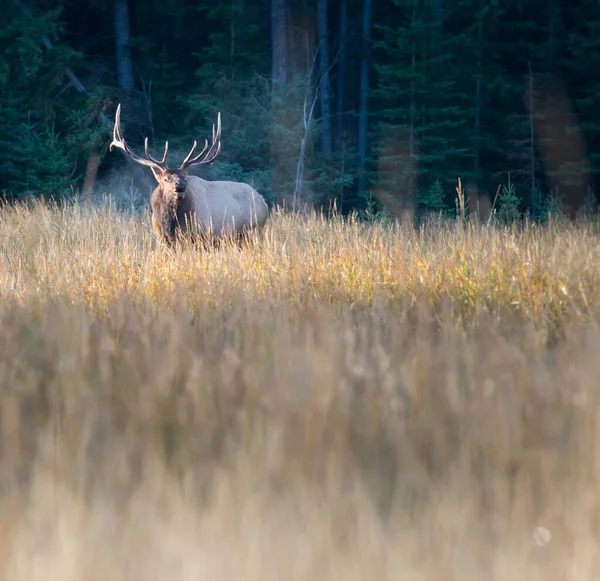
180 186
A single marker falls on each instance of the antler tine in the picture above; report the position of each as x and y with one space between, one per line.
186 161
159 163
212 153
216 140
211 156
188 155
119 141
164 159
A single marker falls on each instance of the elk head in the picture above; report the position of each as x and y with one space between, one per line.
173 182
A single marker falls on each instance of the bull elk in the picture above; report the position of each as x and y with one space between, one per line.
183 203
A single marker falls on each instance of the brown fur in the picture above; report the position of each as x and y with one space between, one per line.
169 214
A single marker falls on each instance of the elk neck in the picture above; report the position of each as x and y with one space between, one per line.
172 211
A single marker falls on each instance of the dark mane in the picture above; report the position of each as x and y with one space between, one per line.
170 214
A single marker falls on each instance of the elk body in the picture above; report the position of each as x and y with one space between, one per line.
186 204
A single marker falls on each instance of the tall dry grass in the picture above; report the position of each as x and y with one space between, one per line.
335 400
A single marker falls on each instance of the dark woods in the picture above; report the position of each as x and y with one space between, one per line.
367 104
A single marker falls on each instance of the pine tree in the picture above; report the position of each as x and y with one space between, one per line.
469 27
35 158
232 78
424 111
517 57
584 59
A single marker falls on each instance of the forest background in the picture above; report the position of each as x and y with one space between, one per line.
364 104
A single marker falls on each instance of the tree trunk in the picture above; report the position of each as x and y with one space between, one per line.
477 123
232 29
341 77
278 71
364 100
308 108
531 138
124 62
412 138
325 92
437 12
91 173
553 17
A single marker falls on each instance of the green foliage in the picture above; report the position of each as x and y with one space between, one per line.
232 79
431 201
374 211
46 160
424 110
35 158
509 202
584 52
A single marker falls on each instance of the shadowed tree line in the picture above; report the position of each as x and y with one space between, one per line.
364 104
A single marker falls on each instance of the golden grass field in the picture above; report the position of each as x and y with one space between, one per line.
333 401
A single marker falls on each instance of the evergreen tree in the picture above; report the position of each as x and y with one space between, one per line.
232 78
583 51
517 56
424 112
34 154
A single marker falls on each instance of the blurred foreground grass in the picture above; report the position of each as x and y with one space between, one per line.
334 401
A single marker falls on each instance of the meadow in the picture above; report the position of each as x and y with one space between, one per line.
334 400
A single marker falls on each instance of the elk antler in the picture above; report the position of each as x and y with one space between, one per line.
211 154
119 142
